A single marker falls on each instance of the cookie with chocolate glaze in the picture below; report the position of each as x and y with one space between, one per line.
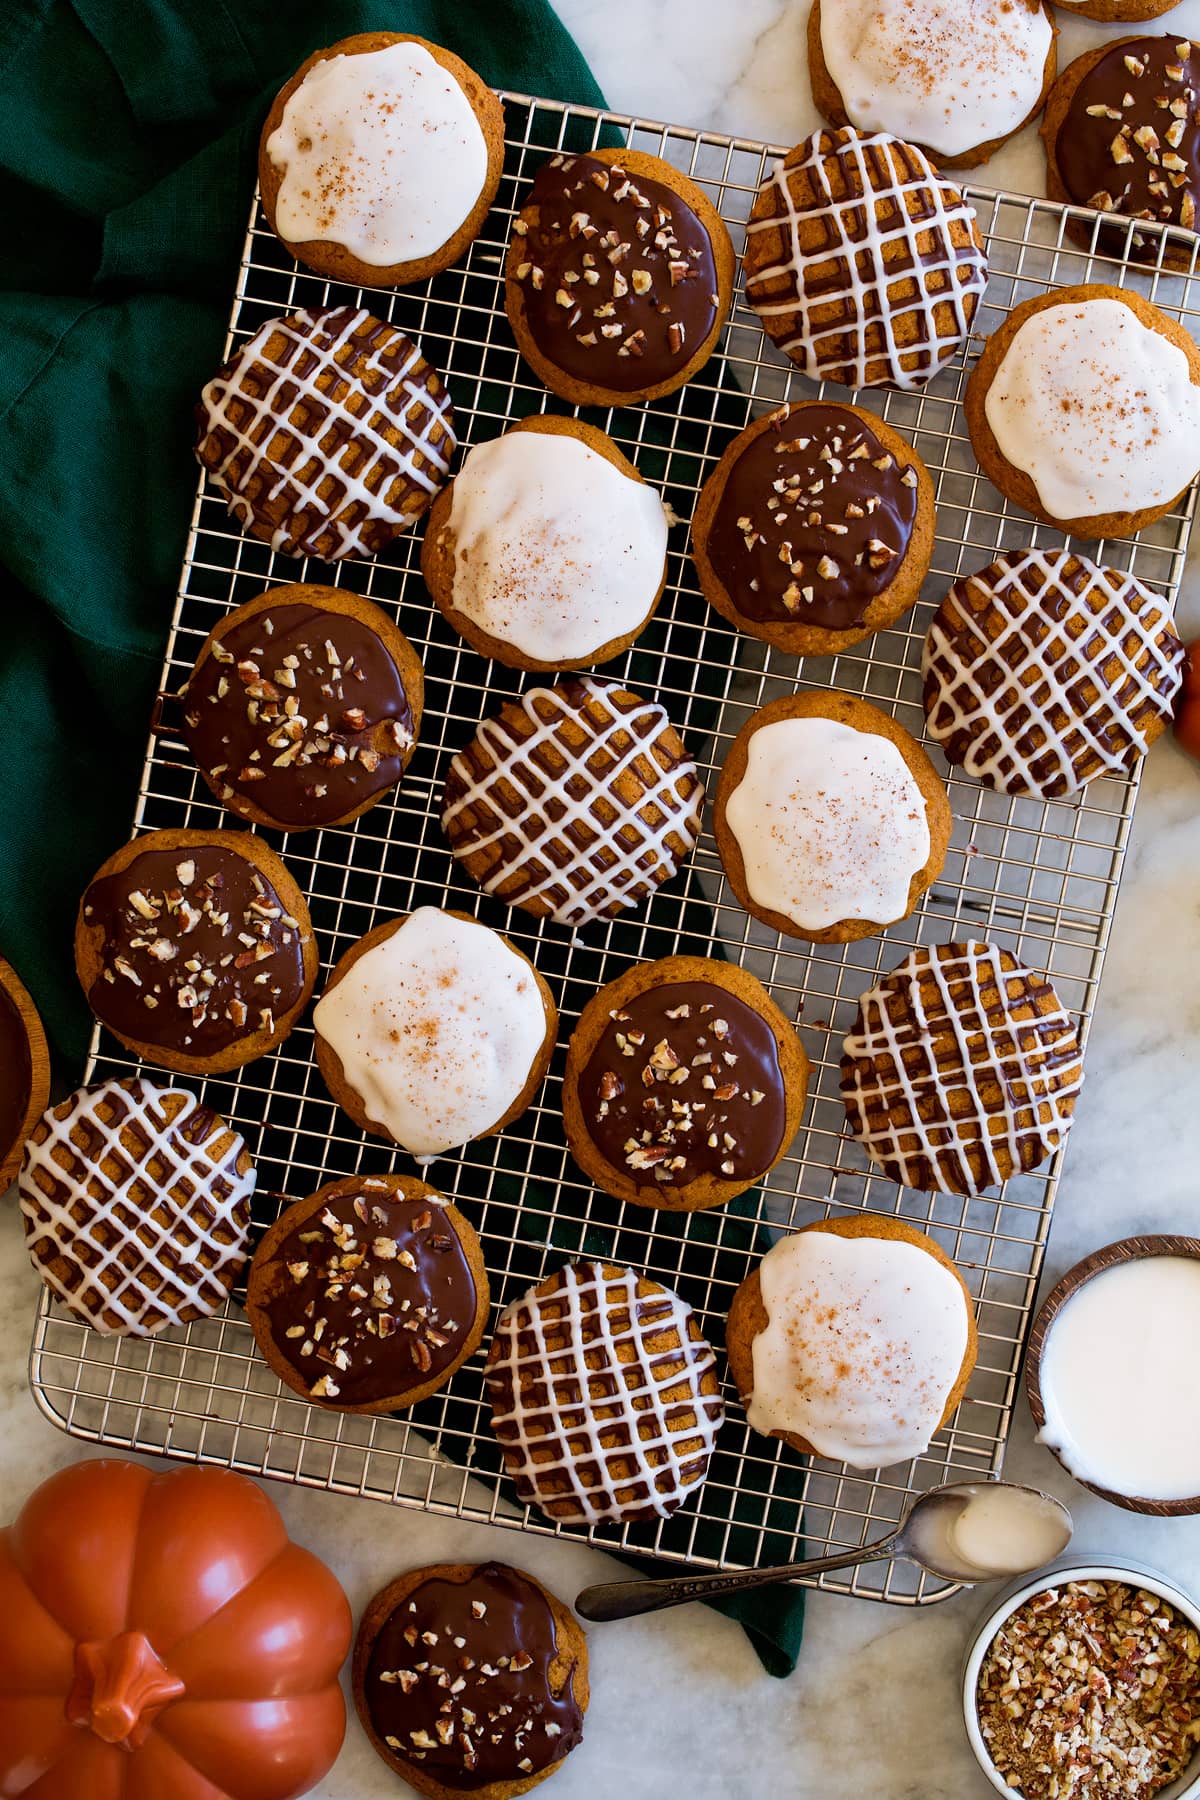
195 949
380 158
471 1678
830 819
684 1084
24 1070
1116 12
369 1295
1121 136
1084 410
815 528
304 707
619 277
547 551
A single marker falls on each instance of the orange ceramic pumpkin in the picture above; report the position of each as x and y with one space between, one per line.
1187 707
161 1638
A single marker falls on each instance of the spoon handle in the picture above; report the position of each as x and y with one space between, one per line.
628 1599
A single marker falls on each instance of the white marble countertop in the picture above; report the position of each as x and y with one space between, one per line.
872 1709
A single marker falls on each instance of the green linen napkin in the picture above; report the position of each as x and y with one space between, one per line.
128 132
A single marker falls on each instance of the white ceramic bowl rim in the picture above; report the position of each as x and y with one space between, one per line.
1071 1567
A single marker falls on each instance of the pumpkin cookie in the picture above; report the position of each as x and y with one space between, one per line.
380 158
854 1339
369 1295
619 277
1043 671
1115 12
961 1069
863 265
957 77
328 433
634 1439
1084 409
1121 135
195 949
24 1070
304 707
471 1677
815 528
548 551
684 1084
830 819
136 1206
573 802
433 1031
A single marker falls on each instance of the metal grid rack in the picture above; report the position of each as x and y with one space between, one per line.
1040 879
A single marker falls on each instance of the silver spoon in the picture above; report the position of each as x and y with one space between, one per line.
925 1536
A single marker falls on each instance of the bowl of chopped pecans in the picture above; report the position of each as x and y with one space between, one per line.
1084 1681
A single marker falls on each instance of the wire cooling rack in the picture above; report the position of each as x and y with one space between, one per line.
1040 879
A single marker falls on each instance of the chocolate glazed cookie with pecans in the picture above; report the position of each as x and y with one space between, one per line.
303 708
684 1084
195 949
1121 135
471 1678
369 1295
815 528
619 277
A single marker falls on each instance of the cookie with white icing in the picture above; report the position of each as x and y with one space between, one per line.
962 1068
548 551
573 802
619 277
328 432
380 158
1043 671
604 1396
136 1206
862 263
830 819
684 1084
434 1030
854 1340
815 528
303 708
1084 409
957 77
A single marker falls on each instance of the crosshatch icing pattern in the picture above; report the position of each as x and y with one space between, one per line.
1039 878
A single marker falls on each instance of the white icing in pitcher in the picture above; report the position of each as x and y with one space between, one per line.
864 1341
556 551
950 74
381 152
830 823
1101 412
437 1028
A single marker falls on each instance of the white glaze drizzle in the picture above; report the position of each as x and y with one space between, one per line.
148 1273
314 338
1101 412
556 550
918 1106
864 1341
869 298
544 844
550 1410
1011 690
395 159
830 823
437 1028
949 74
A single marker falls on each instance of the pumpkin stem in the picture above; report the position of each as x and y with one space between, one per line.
120 1688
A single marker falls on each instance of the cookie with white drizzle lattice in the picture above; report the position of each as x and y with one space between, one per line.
862 264
604 1395
328 432
574 801
136 1206
961 1069
1044 670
